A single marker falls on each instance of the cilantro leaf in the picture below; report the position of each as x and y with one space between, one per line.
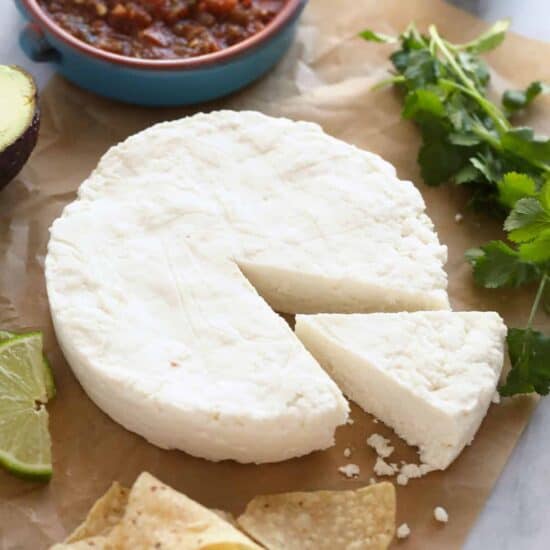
487 167
529 352
513 187
422 69
475 68
400 59
527 220
496 265
490 39
513 100
438 161
464 139
538 250
423 105
523 143
544 196
373 36
467 174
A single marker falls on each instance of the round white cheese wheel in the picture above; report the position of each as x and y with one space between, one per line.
160 274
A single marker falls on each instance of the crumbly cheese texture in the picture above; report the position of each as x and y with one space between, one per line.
350 470
159 278
380 444
403 531
412 471
429 375
383 468
440 514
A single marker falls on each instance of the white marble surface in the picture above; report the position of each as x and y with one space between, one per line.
517 515
529 17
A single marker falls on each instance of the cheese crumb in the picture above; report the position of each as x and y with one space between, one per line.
381 445
440 514
347 452
402 479
350 421
412 471
416 470
403 531
350 470
496 398
382 468
459 217
375 420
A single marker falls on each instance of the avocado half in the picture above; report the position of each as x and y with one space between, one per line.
19 120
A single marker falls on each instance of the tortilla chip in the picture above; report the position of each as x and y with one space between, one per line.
157 516
360 520
104 515
226 516
90 543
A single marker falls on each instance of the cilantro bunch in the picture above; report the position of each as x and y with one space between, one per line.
469 140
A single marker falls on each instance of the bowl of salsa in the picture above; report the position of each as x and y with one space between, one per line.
160 52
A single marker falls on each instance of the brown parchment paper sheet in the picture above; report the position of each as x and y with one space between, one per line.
325 78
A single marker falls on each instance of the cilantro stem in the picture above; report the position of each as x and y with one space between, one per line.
438 41
480 131
411 29
397 79
469 87
522 362
488 107
538 298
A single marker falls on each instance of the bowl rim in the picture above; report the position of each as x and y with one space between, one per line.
287 13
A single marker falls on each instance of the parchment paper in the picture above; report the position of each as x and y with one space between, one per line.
325 78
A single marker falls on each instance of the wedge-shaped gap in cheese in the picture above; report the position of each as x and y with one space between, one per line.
160 325
428 375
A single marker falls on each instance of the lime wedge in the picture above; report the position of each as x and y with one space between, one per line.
48 373
25 446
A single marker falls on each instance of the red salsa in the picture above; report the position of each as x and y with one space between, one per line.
162 29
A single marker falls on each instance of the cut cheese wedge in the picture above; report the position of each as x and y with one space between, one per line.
429 375
159 278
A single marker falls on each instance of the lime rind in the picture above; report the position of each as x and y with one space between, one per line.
48 378
31 442
33 472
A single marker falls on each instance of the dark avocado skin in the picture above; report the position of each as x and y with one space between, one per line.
15 155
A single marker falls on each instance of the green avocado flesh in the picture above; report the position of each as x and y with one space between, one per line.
18 120
17 104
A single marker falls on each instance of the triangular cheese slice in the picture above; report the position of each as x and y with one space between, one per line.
429 375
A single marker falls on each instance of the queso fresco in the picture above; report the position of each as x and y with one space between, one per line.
162 29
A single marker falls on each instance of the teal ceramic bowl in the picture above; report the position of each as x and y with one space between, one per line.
158 82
